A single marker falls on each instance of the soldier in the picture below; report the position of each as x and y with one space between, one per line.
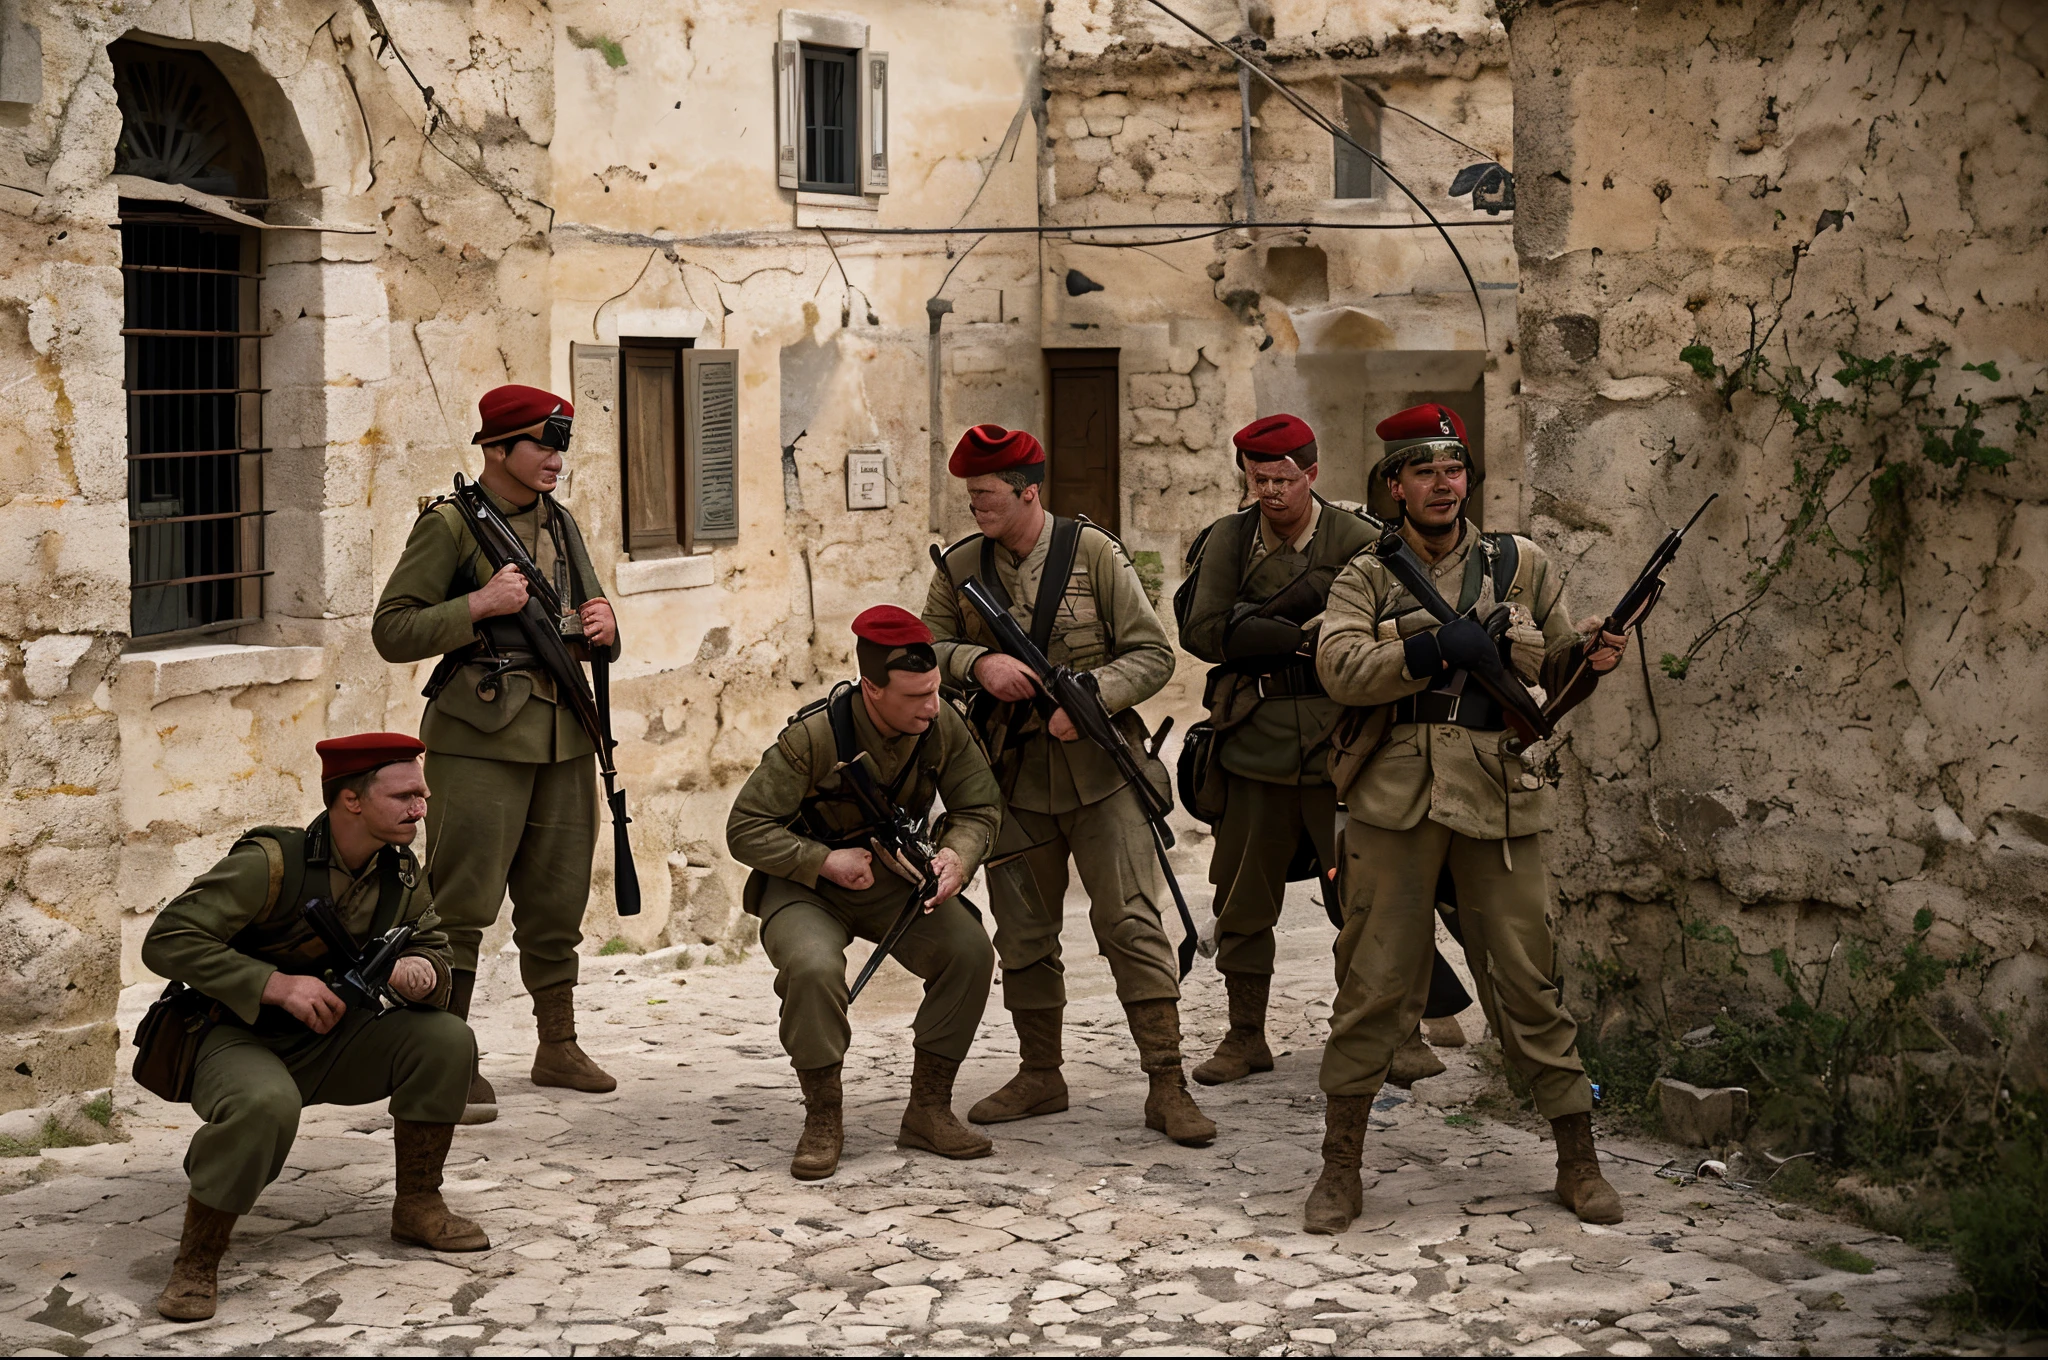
287 1041
817 884
514 771
1440 786
1070 585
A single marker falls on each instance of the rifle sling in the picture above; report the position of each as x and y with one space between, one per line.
1052 582
847 747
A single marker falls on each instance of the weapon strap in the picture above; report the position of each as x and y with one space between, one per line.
390 893
1052 583
847 746
1494 554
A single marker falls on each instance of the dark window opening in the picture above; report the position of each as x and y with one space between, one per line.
831 117
1357 176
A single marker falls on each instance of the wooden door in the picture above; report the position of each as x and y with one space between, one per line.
1082 454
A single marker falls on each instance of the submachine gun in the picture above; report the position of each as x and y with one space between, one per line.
1076 693
360 977
538 621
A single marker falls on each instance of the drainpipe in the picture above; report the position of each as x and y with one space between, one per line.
1247 184
936 308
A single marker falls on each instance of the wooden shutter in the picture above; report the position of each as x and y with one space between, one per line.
874 122
648 443
711 443
789 111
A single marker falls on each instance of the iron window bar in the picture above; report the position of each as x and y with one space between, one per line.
195 580
186 269
134 524
195 391
191 453
197 335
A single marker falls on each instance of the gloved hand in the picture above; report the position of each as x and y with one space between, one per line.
1255 637
1464 645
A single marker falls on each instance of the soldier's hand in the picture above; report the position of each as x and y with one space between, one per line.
503 594
412 977
951 879
600 625
306 999
852 869
1604 650
1005 677
1062 726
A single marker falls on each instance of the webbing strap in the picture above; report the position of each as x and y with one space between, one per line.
1052 582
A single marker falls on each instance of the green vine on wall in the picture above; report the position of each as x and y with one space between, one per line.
1875 421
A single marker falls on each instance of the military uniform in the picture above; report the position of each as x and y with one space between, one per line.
1068 799
513 773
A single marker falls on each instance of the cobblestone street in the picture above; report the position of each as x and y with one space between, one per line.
661 1219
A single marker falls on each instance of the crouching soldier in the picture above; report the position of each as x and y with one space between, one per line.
822 877
1443 787
242 935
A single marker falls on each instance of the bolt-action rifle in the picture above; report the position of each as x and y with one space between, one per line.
1636 603
360 977
1076 692
537 619
905 844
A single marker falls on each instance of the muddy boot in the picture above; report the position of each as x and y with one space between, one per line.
1580 1186
418 1213
1038 1087
482 1105
1338 1196
1413 1061
1243 1050
1444 1033
817 1148
1169 1108
557 1061
929 1122
190 1294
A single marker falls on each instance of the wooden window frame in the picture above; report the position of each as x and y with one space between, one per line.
849 60
677 463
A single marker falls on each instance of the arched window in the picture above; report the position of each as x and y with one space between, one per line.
195 466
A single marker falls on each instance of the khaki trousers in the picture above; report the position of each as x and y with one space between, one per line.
1112 847
498 824
1384 951
806 939
250 1098
1255 842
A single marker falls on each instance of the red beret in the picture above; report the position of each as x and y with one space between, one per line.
1271 437
509 409
888 626
1428 422
341 757
991 448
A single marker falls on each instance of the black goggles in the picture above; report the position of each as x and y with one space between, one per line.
554 433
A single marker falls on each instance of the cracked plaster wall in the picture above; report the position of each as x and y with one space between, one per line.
1838 758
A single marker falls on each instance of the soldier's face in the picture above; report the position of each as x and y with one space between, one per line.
908 703
1282 486
533 465
1432 495
997 505
393 803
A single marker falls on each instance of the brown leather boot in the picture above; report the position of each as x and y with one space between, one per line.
1338 1196
418 1213
817 1148
929 1123
1038 1087
1168 1107
1580 1186
481 1106
194 1287
558 1061
1444 1032
1243 1050
1413 1061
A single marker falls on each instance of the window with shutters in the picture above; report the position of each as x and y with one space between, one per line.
1357 176
832 106
678 445
192 372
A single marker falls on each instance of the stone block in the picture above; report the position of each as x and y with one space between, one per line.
1163 391
208 667
663 573
47 662
1697 1116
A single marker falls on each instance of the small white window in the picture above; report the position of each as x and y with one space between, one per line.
832 106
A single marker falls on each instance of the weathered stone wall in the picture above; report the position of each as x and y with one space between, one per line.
1840 755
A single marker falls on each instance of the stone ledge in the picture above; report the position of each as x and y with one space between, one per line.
663 573
178 671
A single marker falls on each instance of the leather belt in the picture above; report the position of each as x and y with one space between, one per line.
1296 681
1475 709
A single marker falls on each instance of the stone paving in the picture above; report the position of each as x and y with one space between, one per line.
661 1218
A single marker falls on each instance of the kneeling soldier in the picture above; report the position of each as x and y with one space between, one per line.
821 878
239 936
1445 788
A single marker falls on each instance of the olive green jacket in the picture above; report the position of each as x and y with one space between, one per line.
203 936
1105 625
1280 740
804 763
425 612
1452 775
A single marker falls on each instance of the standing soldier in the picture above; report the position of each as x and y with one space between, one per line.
819 878
514 772
1440 786
238 937
1069 584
